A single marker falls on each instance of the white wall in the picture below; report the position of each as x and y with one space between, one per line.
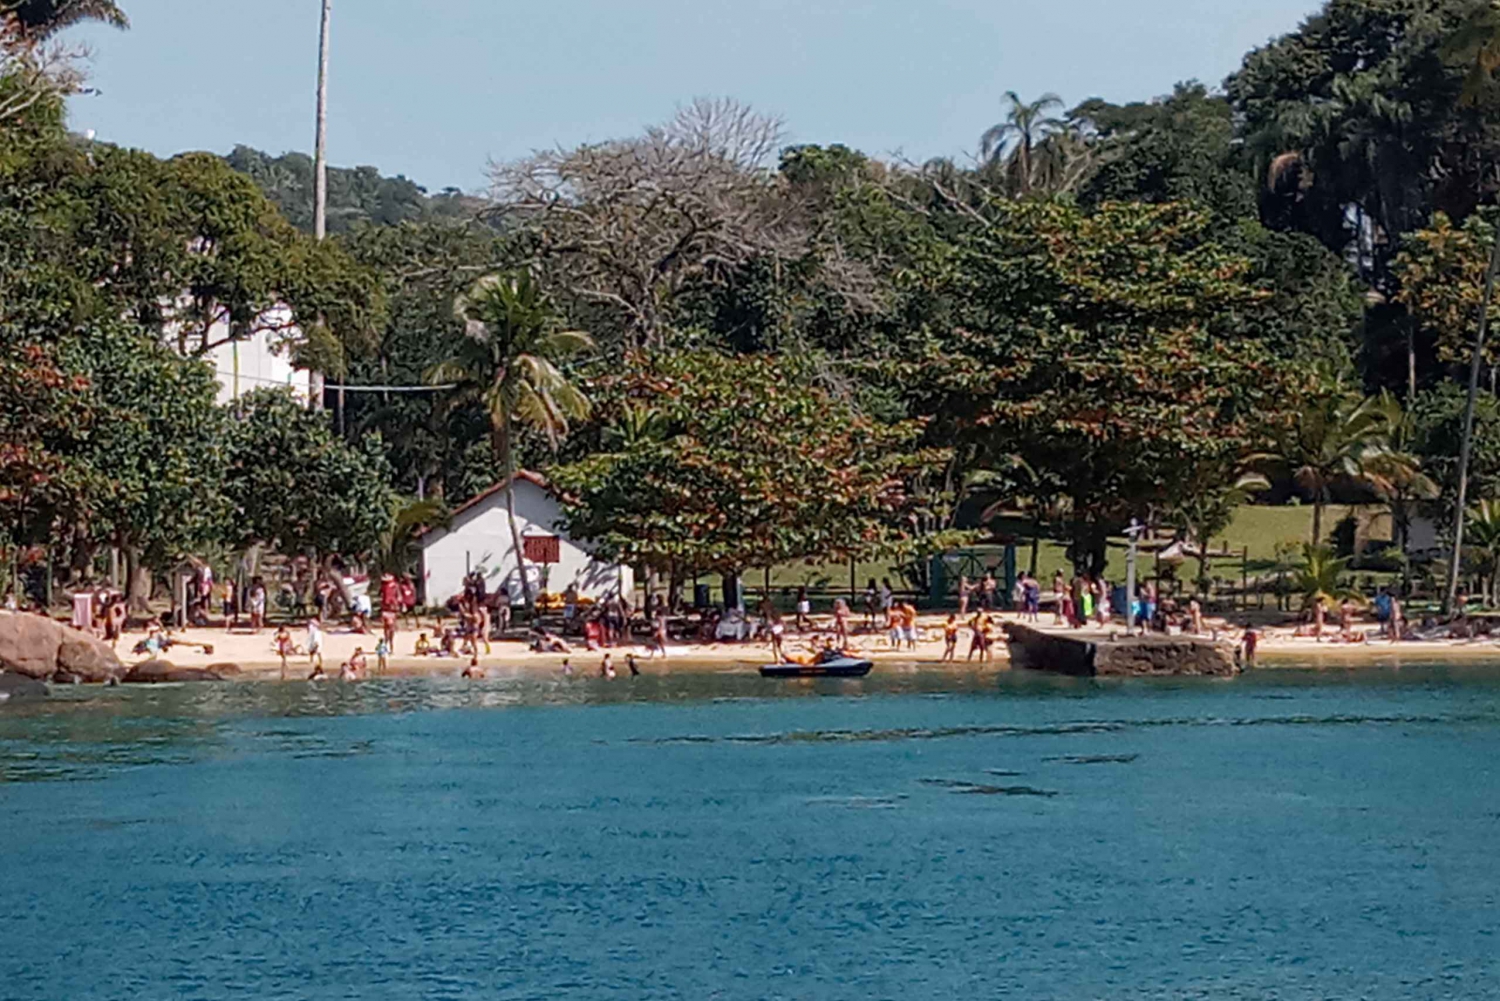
255 363
479 538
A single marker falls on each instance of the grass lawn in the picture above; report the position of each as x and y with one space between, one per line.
1258 529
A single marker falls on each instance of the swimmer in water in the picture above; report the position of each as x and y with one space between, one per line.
635 672
318 674
567 667
474 670
607 667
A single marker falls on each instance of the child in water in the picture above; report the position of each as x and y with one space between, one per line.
382 654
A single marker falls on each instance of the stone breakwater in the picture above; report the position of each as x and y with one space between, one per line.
1133 656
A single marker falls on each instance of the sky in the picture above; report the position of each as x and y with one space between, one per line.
435 90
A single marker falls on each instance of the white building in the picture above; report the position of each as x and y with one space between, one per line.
478 538
260 361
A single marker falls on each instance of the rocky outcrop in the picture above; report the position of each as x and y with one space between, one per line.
14 687
1133 656
156 672
38 647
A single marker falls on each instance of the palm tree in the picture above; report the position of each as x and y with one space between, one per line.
1484 546
508 363
1477 42
1338 434
1024 128
1204 513
1319 580
1400 482
38 20
397 551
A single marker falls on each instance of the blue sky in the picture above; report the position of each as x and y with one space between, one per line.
433 90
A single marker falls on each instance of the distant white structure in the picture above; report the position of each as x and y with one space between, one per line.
260 361
478 538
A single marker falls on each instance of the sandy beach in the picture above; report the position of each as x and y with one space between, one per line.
255 656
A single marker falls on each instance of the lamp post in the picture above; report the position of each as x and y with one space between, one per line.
1133 533
320 172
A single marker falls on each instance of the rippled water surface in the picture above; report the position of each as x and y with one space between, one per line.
1285 835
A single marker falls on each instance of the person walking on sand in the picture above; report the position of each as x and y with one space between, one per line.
777 630
1062 610
950 638
284 649
872 604
804 609
965 592
658 644
315 642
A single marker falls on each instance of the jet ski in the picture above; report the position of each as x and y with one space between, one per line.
828 665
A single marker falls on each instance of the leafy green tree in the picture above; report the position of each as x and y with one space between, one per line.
1099 348
716 464
154 453
357 197
1179 148
293 484
437 447
509 363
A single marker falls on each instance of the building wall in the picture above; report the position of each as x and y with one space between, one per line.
479 538
254 363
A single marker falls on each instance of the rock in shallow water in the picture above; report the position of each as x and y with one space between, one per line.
14 687
155 672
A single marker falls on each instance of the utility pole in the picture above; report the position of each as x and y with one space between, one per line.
1450 598
320 170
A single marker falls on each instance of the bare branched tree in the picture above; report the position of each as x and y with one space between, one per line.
32 71
629 223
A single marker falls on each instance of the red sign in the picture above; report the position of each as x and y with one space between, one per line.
541 549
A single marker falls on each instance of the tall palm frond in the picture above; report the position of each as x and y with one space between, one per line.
1014 141
41 19
1319 579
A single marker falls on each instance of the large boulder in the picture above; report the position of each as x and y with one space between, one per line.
17 686
156 672
40 648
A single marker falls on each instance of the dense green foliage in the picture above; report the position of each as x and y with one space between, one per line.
793 352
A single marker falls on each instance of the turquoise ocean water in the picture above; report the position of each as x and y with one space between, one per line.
1285 835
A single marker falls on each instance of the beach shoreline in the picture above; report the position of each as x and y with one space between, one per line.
253 656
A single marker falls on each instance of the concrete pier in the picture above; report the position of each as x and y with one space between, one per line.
1133 656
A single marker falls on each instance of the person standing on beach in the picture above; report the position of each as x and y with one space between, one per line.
950 638
887 596
257 605
382 655
872 603
980 643
989 591
1061 612
909 624
1398 619
841 622
965 591
804 609
315 642
283 643
777 630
